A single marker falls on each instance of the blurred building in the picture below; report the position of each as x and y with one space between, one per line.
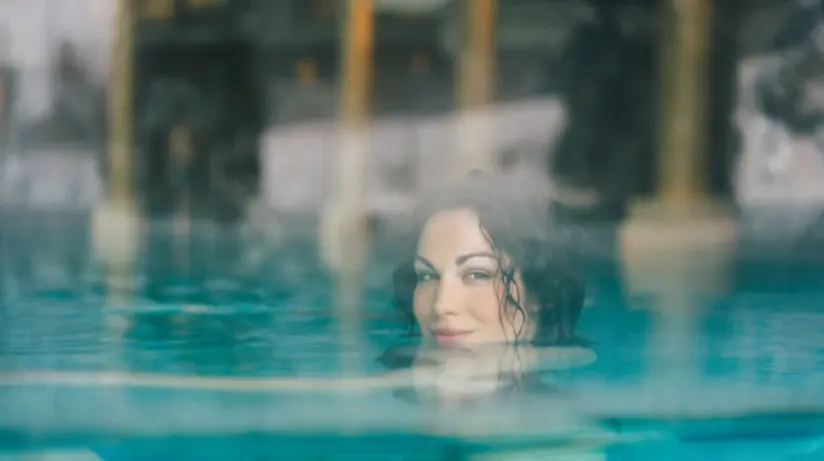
257 81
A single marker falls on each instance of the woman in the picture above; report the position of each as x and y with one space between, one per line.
487 274
488 284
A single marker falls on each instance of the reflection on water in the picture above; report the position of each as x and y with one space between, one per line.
761 347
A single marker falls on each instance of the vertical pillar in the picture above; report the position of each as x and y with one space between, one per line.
181 156
679 245
475 84
120 107
5 115
683 159
5 132
115 224
344 237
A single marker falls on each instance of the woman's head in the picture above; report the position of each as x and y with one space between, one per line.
484 265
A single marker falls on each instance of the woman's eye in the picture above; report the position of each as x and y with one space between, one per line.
425 277
477 275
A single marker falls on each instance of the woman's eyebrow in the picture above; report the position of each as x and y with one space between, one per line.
425 262
462 259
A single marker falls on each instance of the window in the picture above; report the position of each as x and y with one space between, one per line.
315 11
158 10
195 4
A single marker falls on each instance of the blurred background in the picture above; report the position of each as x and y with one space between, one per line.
197 176
252 83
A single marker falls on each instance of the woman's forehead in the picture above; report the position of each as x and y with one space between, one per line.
452 232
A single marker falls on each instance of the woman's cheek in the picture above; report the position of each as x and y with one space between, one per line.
485 304
421 307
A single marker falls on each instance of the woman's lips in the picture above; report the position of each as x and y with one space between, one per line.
450 336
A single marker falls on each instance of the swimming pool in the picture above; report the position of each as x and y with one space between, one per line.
222 358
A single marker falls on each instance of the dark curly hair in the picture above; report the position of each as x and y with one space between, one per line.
515 219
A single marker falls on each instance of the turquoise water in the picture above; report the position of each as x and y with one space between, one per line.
750 385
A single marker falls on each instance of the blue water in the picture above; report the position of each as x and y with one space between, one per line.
750 387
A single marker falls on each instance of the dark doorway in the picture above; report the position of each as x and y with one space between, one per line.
209 90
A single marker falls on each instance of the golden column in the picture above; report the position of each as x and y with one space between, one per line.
181 157
343 234
679 245
475 84
685 55
115 224
120 108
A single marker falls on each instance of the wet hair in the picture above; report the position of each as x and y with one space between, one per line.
515 220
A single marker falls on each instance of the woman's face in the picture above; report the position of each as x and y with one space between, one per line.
459 292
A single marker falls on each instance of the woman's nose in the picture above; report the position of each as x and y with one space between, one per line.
449 297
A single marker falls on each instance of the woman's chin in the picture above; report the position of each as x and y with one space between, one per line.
453 339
